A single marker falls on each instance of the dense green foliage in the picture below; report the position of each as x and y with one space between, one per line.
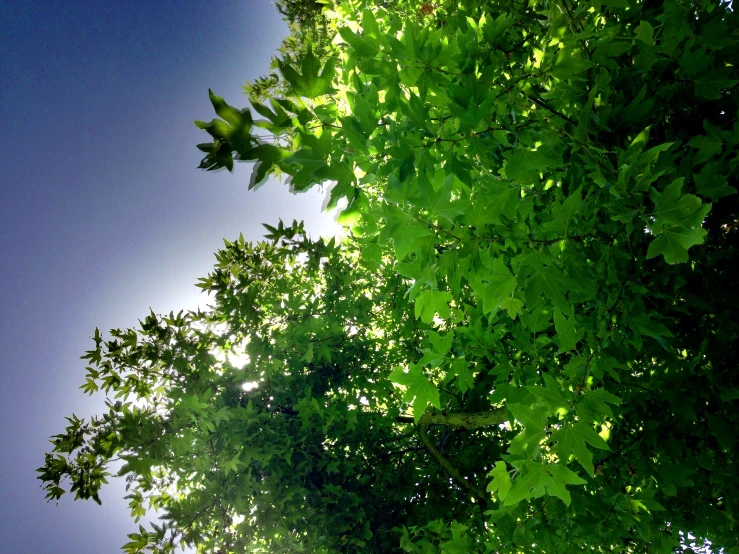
528 342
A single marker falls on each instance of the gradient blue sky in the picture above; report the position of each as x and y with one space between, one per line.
103 214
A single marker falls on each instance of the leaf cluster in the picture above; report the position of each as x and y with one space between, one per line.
528 341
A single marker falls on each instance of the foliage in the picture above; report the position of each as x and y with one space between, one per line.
528 344
305 13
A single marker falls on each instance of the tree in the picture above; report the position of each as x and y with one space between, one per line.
528 343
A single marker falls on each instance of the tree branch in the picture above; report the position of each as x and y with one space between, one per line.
450 469
464 420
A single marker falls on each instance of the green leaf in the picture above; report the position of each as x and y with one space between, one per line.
224 111
267 157
487 207
564 213
644 32
232 465
410 75
671 206
551 394
709 146
192 403
441 345
362 48
314 79
278 119
531 482
593 405
673 244
527 443
610 50
533 420
567 334
648 327
419 390
138 465
574 438
432 302
514 307
438 201
711 184
710 85
403 233
536 479
459 368
570 62
538 320
554 284
523 164
561 475
501 482
501 284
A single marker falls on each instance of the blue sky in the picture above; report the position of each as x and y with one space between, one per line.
103 214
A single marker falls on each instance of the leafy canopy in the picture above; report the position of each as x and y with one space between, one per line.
528 342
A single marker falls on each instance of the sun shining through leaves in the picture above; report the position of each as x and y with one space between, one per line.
526 340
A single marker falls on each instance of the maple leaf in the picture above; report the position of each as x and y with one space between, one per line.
567 334
536 479
313 80
533 421
523 163
671 207
673 243
438 201
432 302
501 482
551 394
574 438
500 285
419 390
564 213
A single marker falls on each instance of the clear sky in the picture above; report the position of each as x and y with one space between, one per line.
103 213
